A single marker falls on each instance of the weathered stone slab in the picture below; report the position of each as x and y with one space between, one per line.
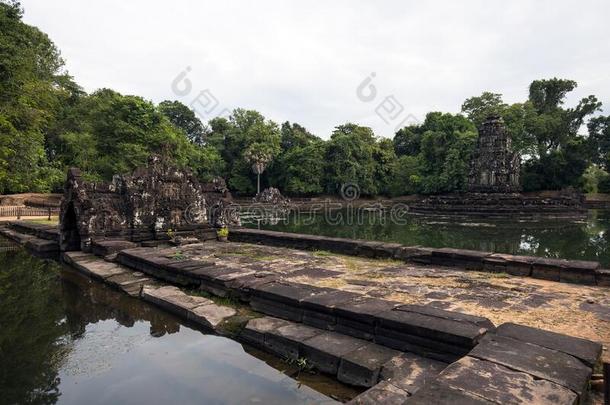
410 372
382 393
361 367
582 349
285 341
425 347
363 309
535 360
579 272
602 277
370 249
99 268
436 393
514 265
277 309
325 350
547 269
451 315
173 300
255 329
463 334
210 315
106 247
284 292
499 384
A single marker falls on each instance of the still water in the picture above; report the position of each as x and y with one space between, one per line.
67 339
587 239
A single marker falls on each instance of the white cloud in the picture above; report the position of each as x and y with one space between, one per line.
302 61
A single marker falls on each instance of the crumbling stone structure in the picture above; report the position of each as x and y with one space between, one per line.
142 206
494 167
493 185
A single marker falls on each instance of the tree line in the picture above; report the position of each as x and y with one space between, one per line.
48 123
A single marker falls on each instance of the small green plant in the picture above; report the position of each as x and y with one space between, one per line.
178 255
322 253
222 232
301 363
171 233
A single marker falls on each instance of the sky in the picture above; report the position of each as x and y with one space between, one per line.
382 64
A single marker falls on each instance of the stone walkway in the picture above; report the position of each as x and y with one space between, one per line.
575 310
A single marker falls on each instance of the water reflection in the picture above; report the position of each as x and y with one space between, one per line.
67 339
585 240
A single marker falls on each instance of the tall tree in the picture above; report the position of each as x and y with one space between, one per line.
185 119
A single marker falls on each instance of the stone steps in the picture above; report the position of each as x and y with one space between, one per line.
199 310
353 361
437 334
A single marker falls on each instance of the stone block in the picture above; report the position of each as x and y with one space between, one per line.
585 350
511 264
577 274
442 394
547 269
173 300
324 351
255 330
425 347
210 315
451 315
602 277
286 293
382 393
410 372
369 249
535 360
285 340
361 367
458 333
107 247
502 385
277 309
363 309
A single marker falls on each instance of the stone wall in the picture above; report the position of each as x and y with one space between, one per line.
144 205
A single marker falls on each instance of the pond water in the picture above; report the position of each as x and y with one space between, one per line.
67 339
587 239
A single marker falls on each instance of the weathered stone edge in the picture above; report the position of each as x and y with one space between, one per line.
568 271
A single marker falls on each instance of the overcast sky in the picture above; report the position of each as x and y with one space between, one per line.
304 61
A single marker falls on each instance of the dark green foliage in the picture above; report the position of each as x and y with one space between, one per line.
435 155
48 123
184 118
603 186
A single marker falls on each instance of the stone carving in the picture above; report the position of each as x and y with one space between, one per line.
494 167
140 206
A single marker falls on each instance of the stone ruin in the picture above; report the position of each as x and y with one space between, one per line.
149 204
271 195
494 167
493 185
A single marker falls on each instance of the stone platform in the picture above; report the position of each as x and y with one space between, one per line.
361 320
502 205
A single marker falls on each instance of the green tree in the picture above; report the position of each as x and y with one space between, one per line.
185 119
350 159
32 86
599 141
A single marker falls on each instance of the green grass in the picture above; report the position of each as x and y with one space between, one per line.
43 221
322 253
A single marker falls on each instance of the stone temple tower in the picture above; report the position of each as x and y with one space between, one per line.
494 167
